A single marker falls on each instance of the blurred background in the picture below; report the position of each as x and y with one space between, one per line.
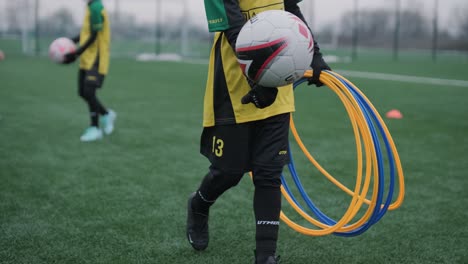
429 28
123 200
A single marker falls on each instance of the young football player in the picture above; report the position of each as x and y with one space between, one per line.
94 50
246 128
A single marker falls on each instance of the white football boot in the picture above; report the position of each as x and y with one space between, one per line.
107 121
91 134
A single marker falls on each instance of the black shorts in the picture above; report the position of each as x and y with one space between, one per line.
239 148
91 78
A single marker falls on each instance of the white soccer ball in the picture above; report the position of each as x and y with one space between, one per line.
274 48
59 47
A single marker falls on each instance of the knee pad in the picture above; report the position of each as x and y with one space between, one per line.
216 182
269 177
225 179
87 92
81 93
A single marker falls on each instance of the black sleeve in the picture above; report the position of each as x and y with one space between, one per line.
223 14
76 39
236 21
231 35
292 7
88 43
233 13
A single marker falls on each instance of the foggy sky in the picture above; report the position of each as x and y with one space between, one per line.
318 13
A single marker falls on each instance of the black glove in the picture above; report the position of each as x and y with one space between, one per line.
260 96
70 57
318 64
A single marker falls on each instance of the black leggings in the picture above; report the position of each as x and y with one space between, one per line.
267 201
88 83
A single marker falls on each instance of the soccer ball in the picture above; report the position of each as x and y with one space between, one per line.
274 48
59 47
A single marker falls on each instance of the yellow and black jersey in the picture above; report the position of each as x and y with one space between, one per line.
96 20
226 83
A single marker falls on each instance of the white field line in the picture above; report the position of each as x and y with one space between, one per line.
403 78
390 77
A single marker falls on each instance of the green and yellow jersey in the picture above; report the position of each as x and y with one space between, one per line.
226 83
96 20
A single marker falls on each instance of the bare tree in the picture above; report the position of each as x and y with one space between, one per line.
374 27
462 21
14 16
414 24
59 23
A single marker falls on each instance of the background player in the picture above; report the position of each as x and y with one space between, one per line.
94 53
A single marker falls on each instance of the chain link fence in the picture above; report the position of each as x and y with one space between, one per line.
138 26
178 28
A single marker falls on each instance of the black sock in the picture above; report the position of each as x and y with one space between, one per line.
95 108
214 184
94 119
200 204
101 109
267 207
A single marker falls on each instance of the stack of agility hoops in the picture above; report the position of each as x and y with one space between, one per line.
377 149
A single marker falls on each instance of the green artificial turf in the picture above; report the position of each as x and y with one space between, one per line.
123 199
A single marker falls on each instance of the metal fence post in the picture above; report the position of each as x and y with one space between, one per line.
396 37
355 30
157 45
435 28
37 47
